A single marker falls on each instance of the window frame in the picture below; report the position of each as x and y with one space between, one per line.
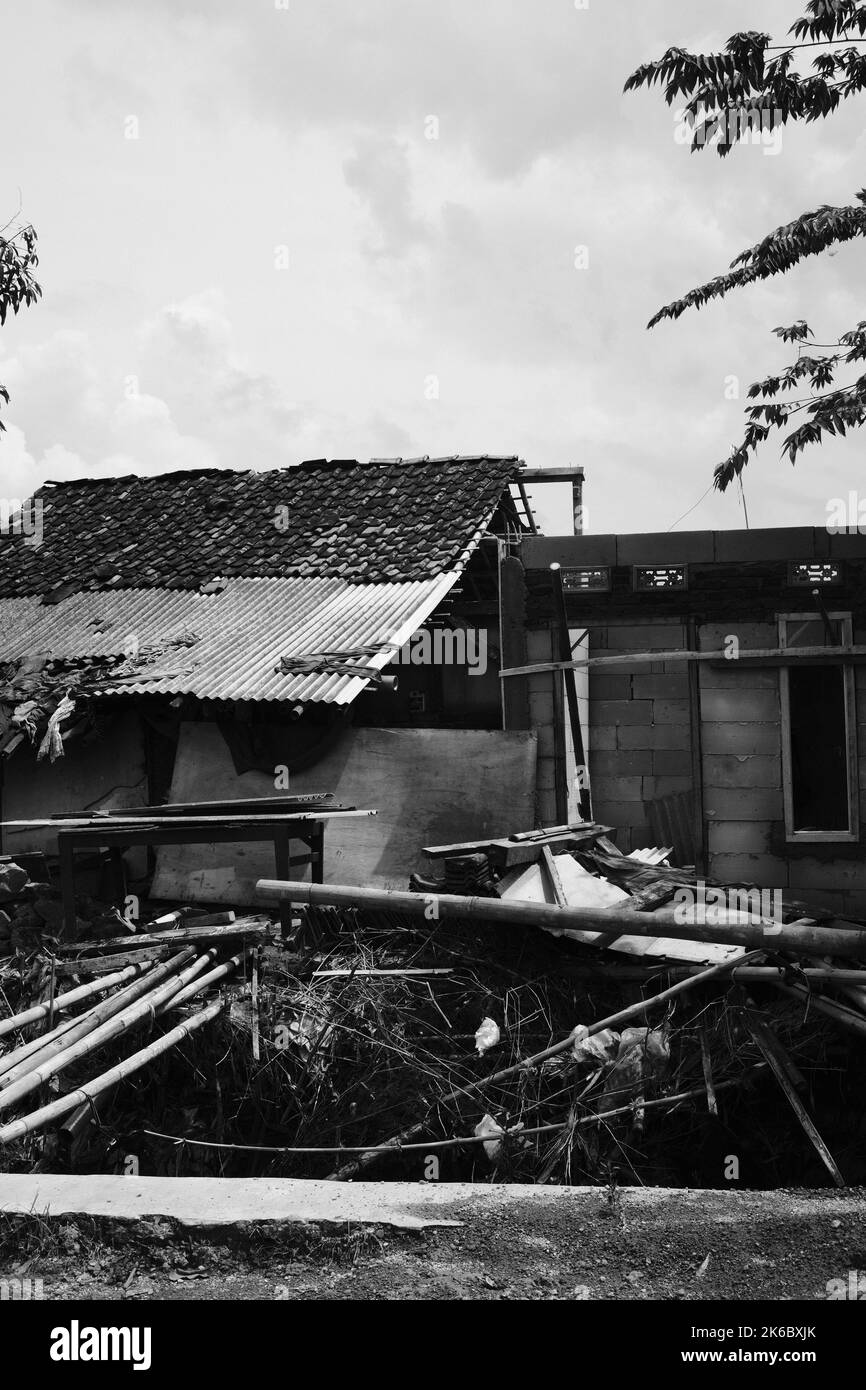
820 837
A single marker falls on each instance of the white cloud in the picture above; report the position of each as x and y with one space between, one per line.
409 256
190 402
379 173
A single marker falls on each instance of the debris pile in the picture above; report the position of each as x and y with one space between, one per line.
37 701
29 911
431 1034
53 1031
51 701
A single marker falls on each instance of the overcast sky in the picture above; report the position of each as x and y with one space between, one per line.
253 252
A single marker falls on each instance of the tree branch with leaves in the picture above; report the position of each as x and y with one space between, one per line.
753 84
18 261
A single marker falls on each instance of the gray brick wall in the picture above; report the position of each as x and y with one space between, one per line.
639 730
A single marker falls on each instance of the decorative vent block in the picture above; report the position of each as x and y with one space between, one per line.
813 572
652 578
586 579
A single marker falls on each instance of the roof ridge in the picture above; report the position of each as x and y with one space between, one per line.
335 463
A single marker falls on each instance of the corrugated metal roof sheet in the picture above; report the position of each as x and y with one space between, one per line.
226 646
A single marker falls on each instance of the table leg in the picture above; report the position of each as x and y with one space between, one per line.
317 848
118 873
283 869
66 854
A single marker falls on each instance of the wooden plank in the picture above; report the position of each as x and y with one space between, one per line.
185 917
105 965
250 806
566 652
544 831
555 473
552 872
532 841
512 639
560 752
140 824
175 937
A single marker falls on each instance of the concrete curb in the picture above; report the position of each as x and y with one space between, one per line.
222 1202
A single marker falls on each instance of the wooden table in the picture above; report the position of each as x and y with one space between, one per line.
151 826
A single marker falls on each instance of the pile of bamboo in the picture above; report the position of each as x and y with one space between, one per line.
138 994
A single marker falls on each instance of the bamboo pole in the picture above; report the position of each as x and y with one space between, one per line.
758 974
197 986
254 1004
25 1058
27 1049
629 659
760 933
530 1063
199 964
62 1002
842 1013
60 1055
380 974
856 995
38 1119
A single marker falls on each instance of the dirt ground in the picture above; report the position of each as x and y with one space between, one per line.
687 1247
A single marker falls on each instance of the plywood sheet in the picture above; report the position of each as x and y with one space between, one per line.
429 786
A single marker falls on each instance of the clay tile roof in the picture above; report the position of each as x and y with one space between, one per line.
386 520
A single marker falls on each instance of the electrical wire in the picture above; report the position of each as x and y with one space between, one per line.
691 509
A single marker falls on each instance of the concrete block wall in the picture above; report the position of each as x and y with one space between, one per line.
639 717
539 648
741 762
741 738
639 729
639 742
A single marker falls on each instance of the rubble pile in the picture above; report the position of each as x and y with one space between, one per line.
29 911
410 1038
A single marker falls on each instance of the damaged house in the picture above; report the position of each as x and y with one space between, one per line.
554 740
223 635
